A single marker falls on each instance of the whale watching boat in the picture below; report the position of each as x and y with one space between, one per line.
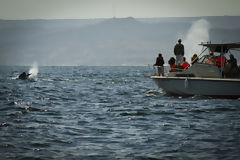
204 78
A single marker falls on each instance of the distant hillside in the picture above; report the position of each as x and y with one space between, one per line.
116 41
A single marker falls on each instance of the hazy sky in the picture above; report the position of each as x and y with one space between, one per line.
78 9
18 46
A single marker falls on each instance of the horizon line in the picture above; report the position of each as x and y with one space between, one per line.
2 19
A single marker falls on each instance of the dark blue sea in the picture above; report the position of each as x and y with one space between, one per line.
110 113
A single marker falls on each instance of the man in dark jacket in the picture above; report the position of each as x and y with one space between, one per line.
159 63
179 52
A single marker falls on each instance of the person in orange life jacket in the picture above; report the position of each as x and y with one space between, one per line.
220 60
211 59
171 62
159 63
185 64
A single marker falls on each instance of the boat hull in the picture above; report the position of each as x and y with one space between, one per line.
187 86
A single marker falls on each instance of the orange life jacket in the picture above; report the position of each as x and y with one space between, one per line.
221 60
172 68
185 65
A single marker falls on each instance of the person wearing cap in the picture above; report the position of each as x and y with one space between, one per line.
179 52
159 63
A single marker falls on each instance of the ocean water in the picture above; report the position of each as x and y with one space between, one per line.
110 113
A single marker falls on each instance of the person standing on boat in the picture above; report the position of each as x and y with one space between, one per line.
231 69
232 61
179 52
159 63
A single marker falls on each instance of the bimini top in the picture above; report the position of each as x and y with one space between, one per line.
221 47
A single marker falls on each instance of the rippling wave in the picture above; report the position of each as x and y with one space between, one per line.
110 113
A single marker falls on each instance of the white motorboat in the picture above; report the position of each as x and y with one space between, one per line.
202 78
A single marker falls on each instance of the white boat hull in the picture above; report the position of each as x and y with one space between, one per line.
187 86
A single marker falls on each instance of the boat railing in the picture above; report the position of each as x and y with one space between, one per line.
167 69
178 69
153 71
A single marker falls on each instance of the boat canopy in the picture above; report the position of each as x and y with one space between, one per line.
221 47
